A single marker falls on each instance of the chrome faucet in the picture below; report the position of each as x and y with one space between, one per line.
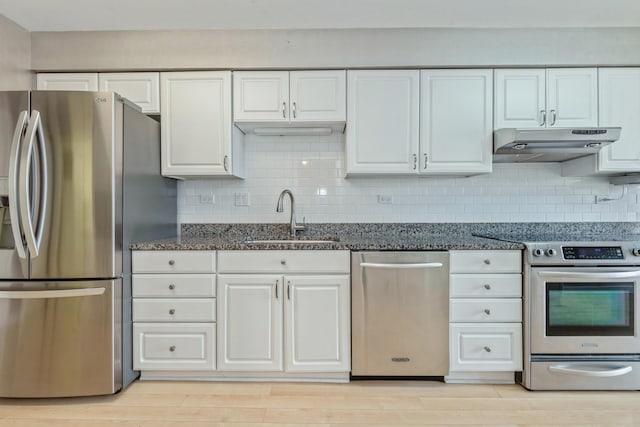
280 208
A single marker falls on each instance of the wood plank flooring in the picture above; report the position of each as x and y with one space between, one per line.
360 403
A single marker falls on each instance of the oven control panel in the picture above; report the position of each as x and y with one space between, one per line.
592 252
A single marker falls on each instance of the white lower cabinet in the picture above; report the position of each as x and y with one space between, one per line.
485 315
291 323
174 312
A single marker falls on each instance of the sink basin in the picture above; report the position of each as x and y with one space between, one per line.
288 241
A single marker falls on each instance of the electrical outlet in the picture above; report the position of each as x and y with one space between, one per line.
207 199
385 199
242 199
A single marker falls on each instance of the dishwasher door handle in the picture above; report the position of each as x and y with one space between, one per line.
413 265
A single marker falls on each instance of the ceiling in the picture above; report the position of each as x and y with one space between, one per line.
99 15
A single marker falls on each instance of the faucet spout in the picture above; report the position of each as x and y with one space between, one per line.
294 226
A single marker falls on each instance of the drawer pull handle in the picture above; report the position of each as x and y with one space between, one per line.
487 287
487 261
487 311
172 311
173 348
171 262
487 349
172 286
283 261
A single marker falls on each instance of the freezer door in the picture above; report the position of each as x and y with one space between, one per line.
14 108
59 338
78 233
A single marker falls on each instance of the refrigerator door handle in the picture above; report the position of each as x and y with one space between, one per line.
56 293
33 232
14 190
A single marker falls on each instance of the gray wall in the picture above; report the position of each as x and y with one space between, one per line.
15 56
237 49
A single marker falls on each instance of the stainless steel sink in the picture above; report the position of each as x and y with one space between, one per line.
288 241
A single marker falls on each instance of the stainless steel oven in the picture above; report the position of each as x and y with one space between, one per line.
581 321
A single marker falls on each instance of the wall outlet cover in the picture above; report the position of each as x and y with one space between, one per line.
385 199
242 199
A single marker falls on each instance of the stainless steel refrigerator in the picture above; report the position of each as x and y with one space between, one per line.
79 182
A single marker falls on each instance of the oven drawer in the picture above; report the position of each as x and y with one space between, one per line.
486 310
486 347
174 310
584 375
485 285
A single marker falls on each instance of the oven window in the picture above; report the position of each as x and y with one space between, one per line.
589 309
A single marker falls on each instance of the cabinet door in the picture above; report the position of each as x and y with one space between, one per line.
383 119
519 98
67 81
143 89
456 126
317 324
572 97
318 95
619 102
260 96
196 123
250 322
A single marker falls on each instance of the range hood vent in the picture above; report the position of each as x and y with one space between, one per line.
550 144
291 129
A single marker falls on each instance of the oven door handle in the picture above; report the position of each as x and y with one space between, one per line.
580 275
590 371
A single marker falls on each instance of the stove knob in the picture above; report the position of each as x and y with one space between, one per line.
537 252
635 252
550 252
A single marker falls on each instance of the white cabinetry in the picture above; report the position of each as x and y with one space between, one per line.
619 105
456 126
143 89
412 122
382 133
292 315
282 98
174 312
67 81
485 331
198 138
554 97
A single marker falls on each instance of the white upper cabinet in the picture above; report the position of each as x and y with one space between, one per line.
198 138
382 134
143 89
456 125
555 97
619 105
286 98
67 81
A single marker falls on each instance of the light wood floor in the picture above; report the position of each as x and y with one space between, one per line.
361 403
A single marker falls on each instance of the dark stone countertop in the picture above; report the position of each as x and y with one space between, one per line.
356 237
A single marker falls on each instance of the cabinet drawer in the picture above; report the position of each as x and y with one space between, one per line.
173 261
486 310
485 261
486 347
174 285
174 310
165 346
485 285
283 262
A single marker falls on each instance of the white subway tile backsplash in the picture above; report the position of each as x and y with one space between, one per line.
313 169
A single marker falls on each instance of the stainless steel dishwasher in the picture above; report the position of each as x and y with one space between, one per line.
400 313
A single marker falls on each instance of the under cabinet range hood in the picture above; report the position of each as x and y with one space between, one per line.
550 144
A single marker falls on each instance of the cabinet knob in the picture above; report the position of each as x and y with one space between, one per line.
487 349
487 261
172 311
487 287
171 262
487 311
283 261
172 286
173 348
